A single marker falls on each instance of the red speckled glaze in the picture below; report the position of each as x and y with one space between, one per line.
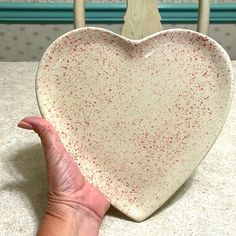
138 116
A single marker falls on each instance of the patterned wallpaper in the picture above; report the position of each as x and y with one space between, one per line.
28 42
24 42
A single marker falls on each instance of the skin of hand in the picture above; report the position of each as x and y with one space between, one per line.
75 207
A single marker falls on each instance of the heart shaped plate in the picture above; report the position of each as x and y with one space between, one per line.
138 116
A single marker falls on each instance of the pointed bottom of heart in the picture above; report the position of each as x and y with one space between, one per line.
138 214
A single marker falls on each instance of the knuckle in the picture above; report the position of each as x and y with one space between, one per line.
47 130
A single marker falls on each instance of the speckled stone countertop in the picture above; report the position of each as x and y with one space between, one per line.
204 205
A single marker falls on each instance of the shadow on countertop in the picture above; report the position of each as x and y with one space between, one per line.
29 163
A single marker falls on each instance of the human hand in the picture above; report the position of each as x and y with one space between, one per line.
75 207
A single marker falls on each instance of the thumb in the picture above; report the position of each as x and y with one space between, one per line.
47 133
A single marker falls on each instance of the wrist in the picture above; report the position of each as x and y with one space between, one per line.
86 201
71 212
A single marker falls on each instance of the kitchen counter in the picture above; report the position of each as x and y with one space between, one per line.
204 205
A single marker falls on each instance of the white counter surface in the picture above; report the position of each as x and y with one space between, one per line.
205 205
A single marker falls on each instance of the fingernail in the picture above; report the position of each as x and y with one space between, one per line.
25 125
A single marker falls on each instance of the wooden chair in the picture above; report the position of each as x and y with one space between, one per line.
142 17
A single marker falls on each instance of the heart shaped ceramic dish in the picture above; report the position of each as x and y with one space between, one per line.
138 116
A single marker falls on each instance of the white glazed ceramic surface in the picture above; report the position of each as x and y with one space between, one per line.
138 116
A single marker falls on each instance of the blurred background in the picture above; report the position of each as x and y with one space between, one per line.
27 27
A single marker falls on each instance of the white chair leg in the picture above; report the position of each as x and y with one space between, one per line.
79 18
203 16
